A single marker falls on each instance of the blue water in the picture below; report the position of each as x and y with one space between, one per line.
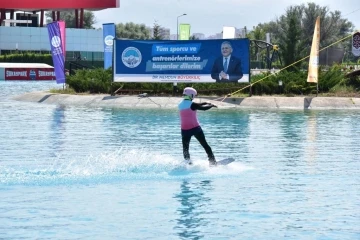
71 172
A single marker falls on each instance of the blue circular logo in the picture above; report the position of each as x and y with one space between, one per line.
131 57
109 40
55 41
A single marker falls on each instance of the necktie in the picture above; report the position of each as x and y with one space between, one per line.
225 64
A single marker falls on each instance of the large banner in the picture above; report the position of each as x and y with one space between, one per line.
57 51
29 74
184 31
182 61
108 39
356 44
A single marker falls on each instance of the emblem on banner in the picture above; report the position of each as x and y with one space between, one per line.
109 40
55 41
131 57
32 74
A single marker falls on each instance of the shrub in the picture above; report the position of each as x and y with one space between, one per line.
91 80
330 78
27 57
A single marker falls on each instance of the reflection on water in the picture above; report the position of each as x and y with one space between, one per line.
57 129
311 140
292 126
192 210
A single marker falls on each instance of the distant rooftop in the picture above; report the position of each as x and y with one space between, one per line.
24 65
37 5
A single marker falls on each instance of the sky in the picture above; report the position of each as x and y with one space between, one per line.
209 16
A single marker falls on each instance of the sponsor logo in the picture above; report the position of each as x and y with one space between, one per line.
46 74
131 57
16 73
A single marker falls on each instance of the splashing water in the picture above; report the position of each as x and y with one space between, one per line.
122 164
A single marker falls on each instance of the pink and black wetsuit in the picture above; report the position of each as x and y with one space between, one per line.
190 127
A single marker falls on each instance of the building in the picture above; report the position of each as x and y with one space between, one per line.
84 43
22 27
199 36
240 32
173 36
30 9
215 36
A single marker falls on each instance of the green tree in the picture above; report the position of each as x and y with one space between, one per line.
291 36
157 31
332 28
69 18
258 33
132 30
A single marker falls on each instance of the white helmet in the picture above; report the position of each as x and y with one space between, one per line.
191 92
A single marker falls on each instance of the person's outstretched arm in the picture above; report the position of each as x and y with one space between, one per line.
201 106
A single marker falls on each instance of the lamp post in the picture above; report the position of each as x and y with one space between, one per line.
177 26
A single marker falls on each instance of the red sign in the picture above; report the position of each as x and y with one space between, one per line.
29 74
63 4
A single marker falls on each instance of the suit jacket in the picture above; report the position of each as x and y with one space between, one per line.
234 69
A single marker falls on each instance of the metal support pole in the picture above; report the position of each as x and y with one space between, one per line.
76 18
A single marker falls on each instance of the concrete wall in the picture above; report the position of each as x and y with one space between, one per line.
102 100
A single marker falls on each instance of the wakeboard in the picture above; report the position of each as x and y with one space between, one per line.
225 161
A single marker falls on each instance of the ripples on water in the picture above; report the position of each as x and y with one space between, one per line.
75 172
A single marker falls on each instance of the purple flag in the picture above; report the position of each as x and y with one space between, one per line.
57 51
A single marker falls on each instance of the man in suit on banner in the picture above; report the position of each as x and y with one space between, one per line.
226 68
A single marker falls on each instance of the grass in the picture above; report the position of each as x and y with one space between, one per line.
63 91
341 94
342 91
